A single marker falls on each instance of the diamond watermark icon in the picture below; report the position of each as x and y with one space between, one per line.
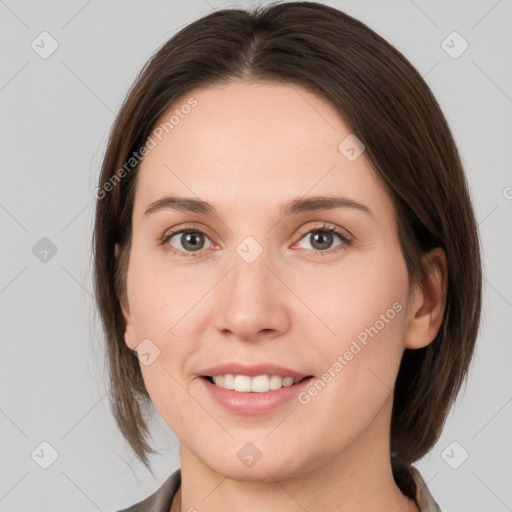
454 455
44 250
351 147
249 455
147 352
44 455
454 45
44 45
249 249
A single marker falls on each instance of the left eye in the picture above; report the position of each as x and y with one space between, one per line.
322 238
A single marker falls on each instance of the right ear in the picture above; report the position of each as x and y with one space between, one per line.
129 333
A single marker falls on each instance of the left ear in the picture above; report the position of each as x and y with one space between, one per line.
428 302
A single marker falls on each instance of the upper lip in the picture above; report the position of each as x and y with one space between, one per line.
251 370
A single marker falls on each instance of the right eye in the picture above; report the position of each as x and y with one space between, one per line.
191 241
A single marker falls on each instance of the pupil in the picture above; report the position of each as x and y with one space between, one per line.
190 241
322 235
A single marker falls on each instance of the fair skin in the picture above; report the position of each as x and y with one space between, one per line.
247 148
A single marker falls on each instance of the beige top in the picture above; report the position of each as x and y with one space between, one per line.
161 499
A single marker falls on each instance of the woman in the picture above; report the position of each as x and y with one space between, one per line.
285 239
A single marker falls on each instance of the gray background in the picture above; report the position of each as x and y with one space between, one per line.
56 113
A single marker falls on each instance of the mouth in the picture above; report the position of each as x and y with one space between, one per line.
256 384
254 395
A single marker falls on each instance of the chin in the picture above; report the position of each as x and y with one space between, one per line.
248 465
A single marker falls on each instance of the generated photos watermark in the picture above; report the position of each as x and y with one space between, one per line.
342 360
156 136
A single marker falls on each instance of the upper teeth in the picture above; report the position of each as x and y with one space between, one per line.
259 384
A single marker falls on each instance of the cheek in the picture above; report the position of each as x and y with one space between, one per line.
365 311
358 371
354 298
161 298
164 306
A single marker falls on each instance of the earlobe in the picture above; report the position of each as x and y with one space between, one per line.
129 333
129 337
428 302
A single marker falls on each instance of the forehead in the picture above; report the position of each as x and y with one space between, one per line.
253 143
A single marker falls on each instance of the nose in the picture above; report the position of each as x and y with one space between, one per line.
252 302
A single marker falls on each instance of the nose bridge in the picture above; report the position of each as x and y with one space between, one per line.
249 300
250 276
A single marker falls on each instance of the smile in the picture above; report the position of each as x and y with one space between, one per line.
258 384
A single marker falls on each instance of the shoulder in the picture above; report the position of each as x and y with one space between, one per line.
424 498
161 499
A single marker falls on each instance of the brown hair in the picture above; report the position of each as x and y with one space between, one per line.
389 107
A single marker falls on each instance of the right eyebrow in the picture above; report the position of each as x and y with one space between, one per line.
184 204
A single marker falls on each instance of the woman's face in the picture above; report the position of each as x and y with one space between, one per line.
263 282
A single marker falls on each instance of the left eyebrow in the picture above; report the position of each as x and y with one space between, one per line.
293 207
316 203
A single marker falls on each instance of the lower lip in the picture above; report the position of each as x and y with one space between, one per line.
251 402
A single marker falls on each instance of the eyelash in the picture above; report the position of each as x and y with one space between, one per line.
319 227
